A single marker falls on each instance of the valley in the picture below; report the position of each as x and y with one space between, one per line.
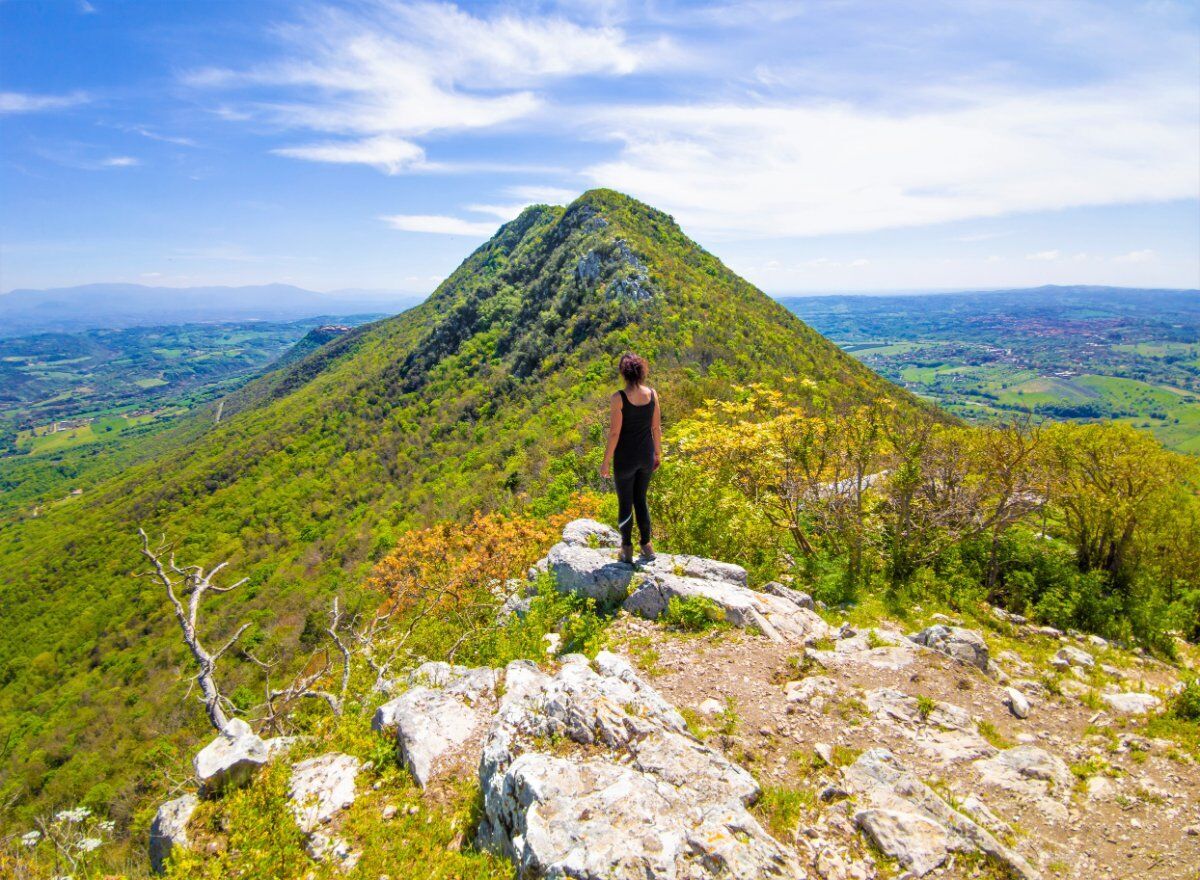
1051 353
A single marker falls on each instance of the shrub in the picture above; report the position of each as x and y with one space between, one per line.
693 614
1186 704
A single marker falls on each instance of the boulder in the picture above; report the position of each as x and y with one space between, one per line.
1032 772
1068 656
911 823
471 684
1017 702
639 798
775 617
800 600
590 573
169 830
962 644
915 842
1131 703
230 759
320 788
589 533
945 732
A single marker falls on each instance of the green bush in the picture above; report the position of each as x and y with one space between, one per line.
693 614
1186 704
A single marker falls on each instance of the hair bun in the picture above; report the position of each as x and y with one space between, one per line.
633 368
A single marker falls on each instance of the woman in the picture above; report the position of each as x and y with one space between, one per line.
634 451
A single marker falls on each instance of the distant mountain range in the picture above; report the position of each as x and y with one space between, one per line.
116 306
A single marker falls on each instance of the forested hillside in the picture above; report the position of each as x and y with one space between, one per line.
489 396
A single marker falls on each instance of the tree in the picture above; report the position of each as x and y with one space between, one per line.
192 582
1107 479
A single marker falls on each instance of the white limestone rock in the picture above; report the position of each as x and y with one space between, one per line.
229 761
648 800
962 644
322 787
1033 772
910 822
1131 703
169 830
797 598
945 732
590 533
1070 656
1017 702
591 573
777 618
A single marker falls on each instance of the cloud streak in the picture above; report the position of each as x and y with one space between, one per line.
391 71
21 102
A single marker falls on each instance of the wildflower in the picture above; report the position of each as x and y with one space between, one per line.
72 816
90 843
31 838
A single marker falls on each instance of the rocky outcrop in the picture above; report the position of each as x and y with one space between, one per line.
590 533
962 644
797 598
943 731
320 788
1027 770
169 830
912 824
647 589
229 761
1069 656
1131 703
444 709
631 795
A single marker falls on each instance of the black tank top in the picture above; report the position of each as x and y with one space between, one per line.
635 445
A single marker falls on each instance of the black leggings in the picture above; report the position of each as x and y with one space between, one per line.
631 500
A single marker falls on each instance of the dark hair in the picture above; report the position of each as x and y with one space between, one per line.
634 368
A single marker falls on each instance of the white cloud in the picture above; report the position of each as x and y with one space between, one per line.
399 70
1142 256
817 168
20 102
1044 256
439 224
120 162
390 155
87 8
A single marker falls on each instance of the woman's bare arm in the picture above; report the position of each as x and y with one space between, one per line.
614 433
656 430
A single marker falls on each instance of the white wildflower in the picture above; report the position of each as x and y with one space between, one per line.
31 838
76 815
90 843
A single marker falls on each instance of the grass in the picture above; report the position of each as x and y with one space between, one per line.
781 808
693 614
990 733
925 706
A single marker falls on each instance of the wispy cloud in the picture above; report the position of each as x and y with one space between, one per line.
439 224
1142 256
1044 256
21 102
389 154
390 71
120 162
806 169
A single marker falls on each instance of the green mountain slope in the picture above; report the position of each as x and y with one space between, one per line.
490 395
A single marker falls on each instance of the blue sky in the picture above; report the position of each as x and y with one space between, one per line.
820 146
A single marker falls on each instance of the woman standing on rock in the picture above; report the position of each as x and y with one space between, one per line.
634 451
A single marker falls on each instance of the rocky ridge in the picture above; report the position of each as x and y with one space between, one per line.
897 745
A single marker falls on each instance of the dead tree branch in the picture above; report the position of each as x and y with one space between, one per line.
188 584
